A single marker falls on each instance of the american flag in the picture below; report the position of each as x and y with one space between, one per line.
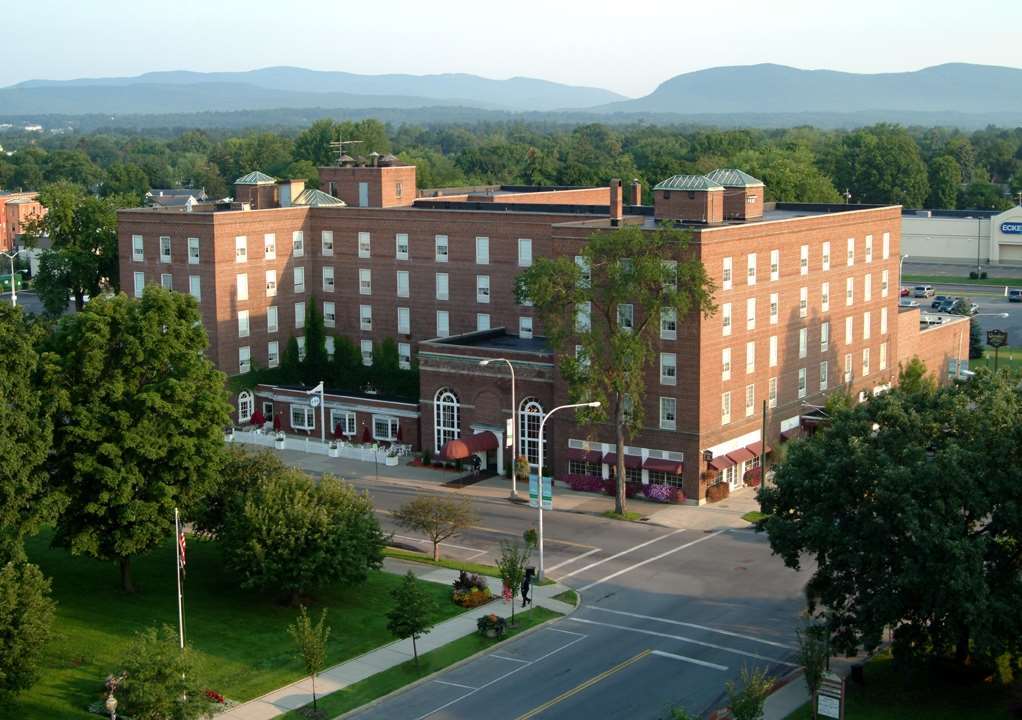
181 552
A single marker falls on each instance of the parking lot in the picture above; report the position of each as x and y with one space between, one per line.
991 301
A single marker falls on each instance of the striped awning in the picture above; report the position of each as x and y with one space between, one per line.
741 455
672 467
593 457
754 448
631 461
721 462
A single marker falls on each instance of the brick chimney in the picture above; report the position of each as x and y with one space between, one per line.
616 202
636 192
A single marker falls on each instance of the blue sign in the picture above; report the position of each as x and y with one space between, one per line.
548 492
1011 228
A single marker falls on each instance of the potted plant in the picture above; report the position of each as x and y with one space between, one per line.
229 434
332 449
392 457
492 625
279 440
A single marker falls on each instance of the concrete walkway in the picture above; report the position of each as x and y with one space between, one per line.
387 656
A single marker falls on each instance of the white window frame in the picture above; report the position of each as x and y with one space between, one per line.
271 283
298 243
404 321
750 399
583 317
775 265
803 302
166 249
326 242
775 308
849 291
750 273
884 283
525 326
365 281
348 419
244 359
244 326
883 356
848 368
725 311
725 364
194 256
750 357
803 260
301 347
443 323
824 375
137 248
668 413
849 330
803 389
241 287
392 424
886 242
299 279
866 325
366 348
865 362
668 369
869 248
725 407
329 283
772 392
329 314
668 324
240 248
772 345
272 353
365 244
139 280
482 250
400 246
524 252
446 417
803 343
727 273
825 297
824 336
365 318
272 319
851 251
195 287
867 287
626 317
443 286
483 289
404 355
442 248
750 313
167 281
826 256
482 322
299 315
302 416
883 321
402 283
269 246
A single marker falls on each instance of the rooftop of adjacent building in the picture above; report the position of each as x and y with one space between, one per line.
494 339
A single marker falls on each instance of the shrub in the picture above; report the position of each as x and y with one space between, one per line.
973 274
492 622
678 495
159 680
983 275
469 581
584 483
752 477
427 457
717 492
658 493
471 598
631 488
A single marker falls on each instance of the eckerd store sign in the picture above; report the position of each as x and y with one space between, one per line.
1011 228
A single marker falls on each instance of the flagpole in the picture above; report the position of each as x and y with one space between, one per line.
177 566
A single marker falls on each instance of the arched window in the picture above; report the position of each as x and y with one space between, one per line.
530 414
246 406
446 417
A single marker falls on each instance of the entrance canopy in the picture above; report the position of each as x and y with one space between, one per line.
463 448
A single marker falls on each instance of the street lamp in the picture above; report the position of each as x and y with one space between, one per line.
901 265
539 488
514 421
14 292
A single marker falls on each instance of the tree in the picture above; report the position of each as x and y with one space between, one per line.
511 565
26 435
139 416
945 179
976 340
242 469
289 535
632 277
981 195
160 681
746 701
899 490
813 655
26 621
438 517
411 613
882 164
311 642
314 367
913 378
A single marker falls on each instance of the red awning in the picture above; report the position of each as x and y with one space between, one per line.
741 455
462 448
754 448
593 457
790 434
631 461
720 462
672 467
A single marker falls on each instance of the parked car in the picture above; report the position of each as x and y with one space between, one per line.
1015 295
905 292
973 308
908 302
922 291
939 301
951 305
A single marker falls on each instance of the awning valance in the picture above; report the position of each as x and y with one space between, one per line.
721 462
672 467
631 461
462 448
593 457
741 455
754 448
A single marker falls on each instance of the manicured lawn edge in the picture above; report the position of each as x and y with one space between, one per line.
377 688
959 280
569 596
478 569
754 516
627 515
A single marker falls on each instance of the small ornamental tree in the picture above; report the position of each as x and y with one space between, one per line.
747 698
511 564
311 642
291 362
813 653
411 613
438 517
315 364
160 680
26 619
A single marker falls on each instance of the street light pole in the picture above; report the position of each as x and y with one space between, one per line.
539 478
14 291
901 266
514 421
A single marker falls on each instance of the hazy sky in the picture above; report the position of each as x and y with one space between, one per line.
628 46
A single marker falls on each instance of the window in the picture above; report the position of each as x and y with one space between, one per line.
401 246
774 308
750 313
848 368
240 248
883 321
671 273
802 383
242 285
301 347
727 274
269 246
883 356
195 286
824 336
849 291
298 243
750 357
725 408
139 284
883 283
398 190
668 324
446 418
867 288
851 251
725 364
193 251
167 281
365 245
299 279
365 281
329 345
580 356
803 260
326 241
803 302
865 362
585 275
366 347
824 372
869 248
825 297
826 256
137 248
329 315
750 400
482 251
271 319
243 323
328 278
626 317
866 325
244 359
668 369
299 315
402 283
441 248
165 249
772 392
751 273
583 317
849 322
271 283
775 264
668 413
443 323
385 427
343 421
404 355
773 351
273 353
524 252
441 286
803 342
404 322
525 326
303 416
530 415
482 288
482 321
725 311
886 245
365 318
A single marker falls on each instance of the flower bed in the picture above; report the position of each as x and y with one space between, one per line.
663 493
752 477
656 493
491 625
470 590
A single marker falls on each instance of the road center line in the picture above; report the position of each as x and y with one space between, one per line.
649 560
683 658
693 625
617 555
574 559
680 638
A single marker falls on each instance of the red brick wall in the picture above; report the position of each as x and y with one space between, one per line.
935 346
699 206
342 182
737 202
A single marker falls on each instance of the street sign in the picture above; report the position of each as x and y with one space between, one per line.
997 338
509 433
548 492
830 698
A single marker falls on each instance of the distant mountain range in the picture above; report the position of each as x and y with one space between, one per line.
761 95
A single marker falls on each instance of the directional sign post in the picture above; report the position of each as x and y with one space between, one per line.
830 698
548 492
997 339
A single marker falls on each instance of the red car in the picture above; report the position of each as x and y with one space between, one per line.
904 292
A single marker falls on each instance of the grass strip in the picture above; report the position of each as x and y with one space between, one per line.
395 678
568 596
629 515
754 516
959 280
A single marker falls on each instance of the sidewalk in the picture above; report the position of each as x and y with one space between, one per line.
387 656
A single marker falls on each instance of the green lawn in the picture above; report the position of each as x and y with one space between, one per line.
240 636
629 515
568 596
892 695
959 280
754 516
388 681
1008 357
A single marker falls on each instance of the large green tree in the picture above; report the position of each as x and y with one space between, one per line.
26 621
945 180
160 681
627 278
908 507
139 413
882 164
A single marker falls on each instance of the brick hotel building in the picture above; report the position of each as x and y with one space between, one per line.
807 302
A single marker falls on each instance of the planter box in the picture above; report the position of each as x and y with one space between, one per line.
333 452
391 460
280 444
